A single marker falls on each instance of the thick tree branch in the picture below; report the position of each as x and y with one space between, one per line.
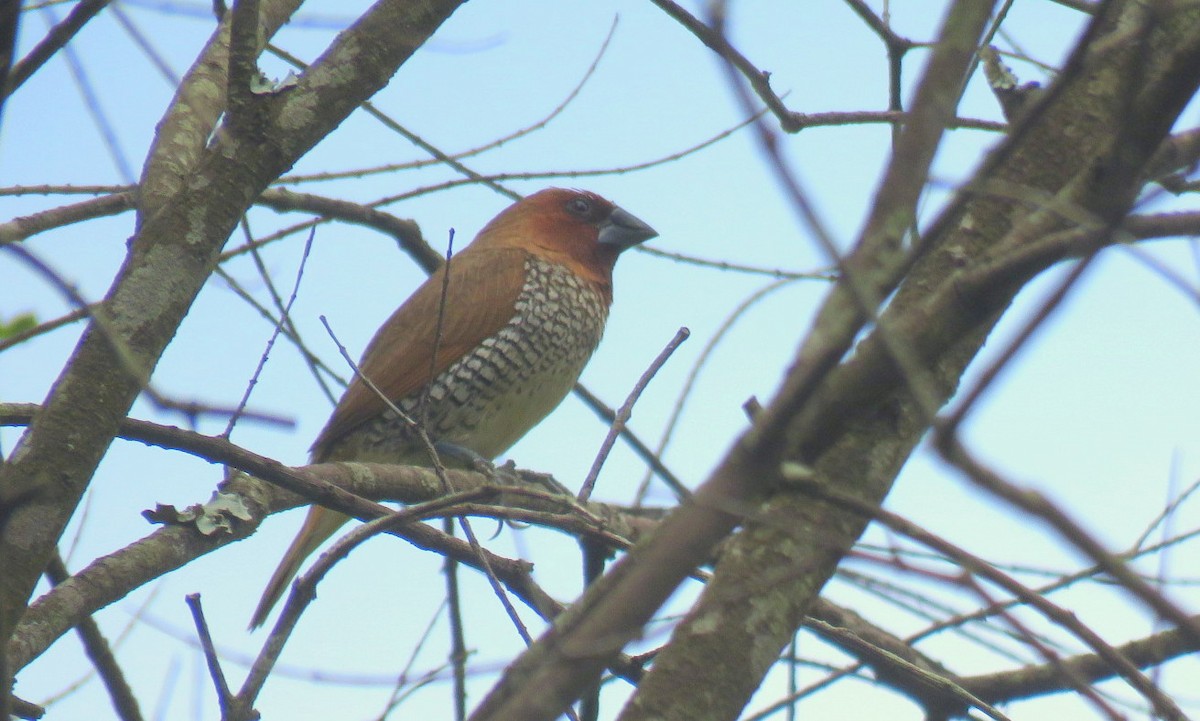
861 422
769 577
406 232
179 143
976 566
1037 680
100 654
345 487
22 227
176 247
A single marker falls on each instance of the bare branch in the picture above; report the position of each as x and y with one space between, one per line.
98 651
54 41
716 41
176 246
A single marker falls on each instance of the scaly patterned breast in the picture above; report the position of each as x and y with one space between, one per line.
490 397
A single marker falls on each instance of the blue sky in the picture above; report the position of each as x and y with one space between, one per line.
1098 411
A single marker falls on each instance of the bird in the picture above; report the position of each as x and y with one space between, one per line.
525 306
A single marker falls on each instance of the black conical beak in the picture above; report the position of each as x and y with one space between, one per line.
622 230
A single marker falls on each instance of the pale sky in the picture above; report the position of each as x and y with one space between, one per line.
1099 411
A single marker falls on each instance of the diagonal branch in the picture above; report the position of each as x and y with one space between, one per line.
54 41
861 422
759 80
181 231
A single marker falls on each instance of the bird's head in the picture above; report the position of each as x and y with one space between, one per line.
573 227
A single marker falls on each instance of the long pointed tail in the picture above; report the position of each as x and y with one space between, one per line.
320 524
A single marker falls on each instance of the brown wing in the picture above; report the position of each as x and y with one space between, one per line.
484 285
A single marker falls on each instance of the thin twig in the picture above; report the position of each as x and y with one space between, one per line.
43 328
1169 510
320 371
896 47
490 145
67 189
1051 657
142 41
880 27
55 40
397 697
440 471
458 639
284 319
594 552
1036 504
897 664
608 415
91 101
625 411
437 153
920 605
972 564
100 653
951 425
304 589
715 39
23 227
690 382
129 363
225 699
726 265
811 120
458 636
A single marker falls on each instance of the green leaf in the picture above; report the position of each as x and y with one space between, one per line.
19 324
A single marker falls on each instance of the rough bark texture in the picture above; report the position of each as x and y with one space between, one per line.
1073 161
1082 151
196 192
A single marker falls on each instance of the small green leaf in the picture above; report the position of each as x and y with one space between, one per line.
19 324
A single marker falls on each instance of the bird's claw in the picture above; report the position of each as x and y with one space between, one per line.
453 455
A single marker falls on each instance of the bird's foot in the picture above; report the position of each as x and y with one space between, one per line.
453 455
506 473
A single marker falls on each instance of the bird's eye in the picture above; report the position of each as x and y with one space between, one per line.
579 206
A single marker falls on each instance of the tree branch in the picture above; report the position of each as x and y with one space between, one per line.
176 246
861 422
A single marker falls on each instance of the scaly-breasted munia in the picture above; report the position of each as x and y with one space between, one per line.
524 310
